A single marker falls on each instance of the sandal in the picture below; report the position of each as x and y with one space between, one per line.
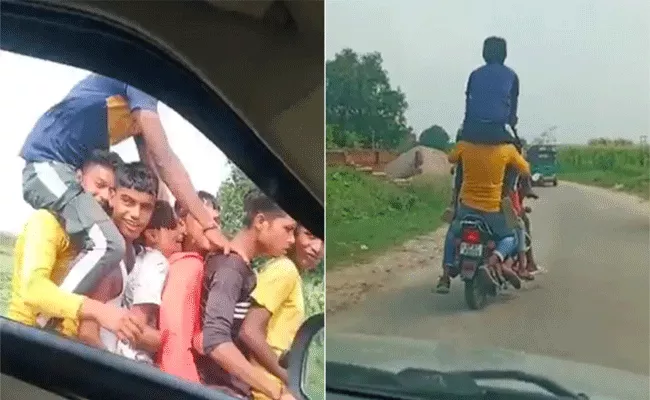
443 285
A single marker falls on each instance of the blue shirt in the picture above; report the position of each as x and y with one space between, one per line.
95 114
491 96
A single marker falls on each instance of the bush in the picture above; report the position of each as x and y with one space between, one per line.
366 214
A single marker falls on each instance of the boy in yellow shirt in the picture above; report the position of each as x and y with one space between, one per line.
42 254
483 172
278 306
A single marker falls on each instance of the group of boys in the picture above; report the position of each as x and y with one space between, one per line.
491 176
104 260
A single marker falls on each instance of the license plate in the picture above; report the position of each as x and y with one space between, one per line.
471 250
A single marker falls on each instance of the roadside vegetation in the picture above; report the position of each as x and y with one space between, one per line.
367 215
625 168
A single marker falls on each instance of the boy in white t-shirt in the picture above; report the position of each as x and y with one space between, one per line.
143 294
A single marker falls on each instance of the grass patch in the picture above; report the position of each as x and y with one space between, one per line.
624 168
638 185
6 270
366 215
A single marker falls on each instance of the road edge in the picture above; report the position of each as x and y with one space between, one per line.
391 270
624 198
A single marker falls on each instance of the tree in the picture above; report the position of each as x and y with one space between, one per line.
408 142
337 138
359 99
435 137
231 198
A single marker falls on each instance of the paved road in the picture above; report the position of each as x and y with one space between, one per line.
593 305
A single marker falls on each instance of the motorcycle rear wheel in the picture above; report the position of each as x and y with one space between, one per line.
475 295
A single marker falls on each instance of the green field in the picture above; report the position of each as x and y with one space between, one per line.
367 215
6 249
624 168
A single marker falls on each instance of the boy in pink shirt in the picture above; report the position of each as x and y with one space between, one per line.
180 317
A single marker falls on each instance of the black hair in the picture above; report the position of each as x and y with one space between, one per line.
209 199
494 50
256 202
206 197
163 216
103 158
137 176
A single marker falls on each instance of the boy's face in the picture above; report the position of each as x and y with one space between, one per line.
309 249
166 240
99 181
132 211
195 239
275 234
216 214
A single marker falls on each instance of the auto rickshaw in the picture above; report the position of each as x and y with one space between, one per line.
543 164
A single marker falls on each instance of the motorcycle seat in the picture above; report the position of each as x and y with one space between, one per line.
478 221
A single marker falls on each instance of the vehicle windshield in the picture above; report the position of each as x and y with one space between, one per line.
493 268
541 155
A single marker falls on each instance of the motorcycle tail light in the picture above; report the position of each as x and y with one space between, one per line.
471 235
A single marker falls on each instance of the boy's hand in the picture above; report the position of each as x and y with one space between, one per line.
119 321
217 240
197 343
284 376
286 394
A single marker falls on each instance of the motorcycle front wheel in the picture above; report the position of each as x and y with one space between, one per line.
475 295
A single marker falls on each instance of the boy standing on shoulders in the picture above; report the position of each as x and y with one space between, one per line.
43 252
228 283
99 112
278 307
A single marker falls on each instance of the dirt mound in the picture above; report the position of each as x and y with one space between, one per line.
429 162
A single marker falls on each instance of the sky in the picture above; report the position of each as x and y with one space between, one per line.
583 65
29 86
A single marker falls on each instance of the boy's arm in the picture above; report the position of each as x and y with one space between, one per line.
154 140
224 292
253 334
89 329
274 285
150 339
147 296
455 153
518 161
514 102
44 239
146 158
467 92
43 244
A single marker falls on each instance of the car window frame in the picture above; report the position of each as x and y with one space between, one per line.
35 29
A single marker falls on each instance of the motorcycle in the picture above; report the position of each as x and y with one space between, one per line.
473 248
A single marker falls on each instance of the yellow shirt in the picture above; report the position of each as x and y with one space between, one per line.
484 168
279 290
41 257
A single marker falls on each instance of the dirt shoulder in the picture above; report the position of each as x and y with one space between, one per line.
350 284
